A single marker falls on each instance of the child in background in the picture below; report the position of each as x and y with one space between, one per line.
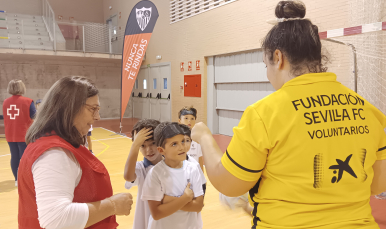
188 141
89 142
136 171
188 116
38 102
176 177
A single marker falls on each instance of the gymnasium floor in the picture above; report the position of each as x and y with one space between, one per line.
112 150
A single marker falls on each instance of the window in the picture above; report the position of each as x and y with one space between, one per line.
144 84
154 83
165 83
136 84
180 10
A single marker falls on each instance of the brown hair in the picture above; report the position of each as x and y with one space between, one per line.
16 87
59 108
166 130
190 109
297 39
146 123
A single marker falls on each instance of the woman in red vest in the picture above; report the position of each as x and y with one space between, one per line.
61 183
18 113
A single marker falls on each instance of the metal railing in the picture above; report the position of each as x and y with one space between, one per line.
91 37
18 31
49 21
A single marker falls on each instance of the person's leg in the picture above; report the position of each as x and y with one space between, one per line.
89 142
14 158
21 147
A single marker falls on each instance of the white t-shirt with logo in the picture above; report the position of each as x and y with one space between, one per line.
163 180
195 151
142 211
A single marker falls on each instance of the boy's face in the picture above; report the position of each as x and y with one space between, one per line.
188 142
149 150
188 120
174 148
37 106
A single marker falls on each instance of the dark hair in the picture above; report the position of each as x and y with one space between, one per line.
62 103
298 40
145 123
187 111
186 129
167 130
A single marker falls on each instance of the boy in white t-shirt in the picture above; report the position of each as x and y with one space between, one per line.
136 171
175 177
188 116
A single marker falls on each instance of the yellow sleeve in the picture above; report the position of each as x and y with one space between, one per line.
247 152
381 153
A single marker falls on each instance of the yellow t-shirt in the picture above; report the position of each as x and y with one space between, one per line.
314 143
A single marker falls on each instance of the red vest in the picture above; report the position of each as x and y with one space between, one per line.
94 184
16 118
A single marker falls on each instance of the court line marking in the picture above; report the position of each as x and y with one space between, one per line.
112 132
98 140
107 146
106 139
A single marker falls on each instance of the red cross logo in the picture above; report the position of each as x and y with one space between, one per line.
12 112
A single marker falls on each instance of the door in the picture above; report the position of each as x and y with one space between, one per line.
137 90
165 101
238 80
155 89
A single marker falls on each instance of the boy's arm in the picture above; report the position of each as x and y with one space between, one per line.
195 205
129 172
139 139
161 210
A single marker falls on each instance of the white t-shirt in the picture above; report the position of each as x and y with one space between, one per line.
190 159
142 211
163 180
195 151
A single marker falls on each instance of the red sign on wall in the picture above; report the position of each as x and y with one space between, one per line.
182 66
190 66
197 65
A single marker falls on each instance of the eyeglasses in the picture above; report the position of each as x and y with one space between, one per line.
93 110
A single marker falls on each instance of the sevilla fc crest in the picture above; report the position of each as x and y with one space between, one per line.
143 17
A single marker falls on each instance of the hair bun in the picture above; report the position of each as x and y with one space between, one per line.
290 9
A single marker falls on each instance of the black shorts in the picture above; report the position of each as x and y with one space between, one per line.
89 133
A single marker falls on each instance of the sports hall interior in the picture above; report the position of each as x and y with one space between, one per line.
202 53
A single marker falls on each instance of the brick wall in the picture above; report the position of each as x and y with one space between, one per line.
238 26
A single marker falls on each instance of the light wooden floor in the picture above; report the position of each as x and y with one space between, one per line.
112 150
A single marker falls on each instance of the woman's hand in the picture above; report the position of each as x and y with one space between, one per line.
198 131
123 202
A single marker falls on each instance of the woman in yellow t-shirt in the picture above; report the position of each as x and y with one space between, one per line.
310 154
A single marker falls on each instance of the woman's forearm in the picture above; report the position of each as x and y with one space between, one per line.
99 211
212 156
217 173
